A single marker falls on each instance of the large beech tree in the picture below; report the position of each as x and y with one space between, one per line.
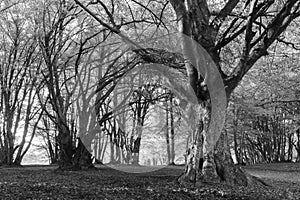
256 24
245 29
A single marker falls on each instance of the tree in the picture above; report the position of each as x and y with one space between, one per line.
170 128
48 134
254 25
63 47
19 69
214 34
263 112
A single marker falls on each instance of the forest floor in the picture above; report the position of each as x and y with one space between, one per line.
44 182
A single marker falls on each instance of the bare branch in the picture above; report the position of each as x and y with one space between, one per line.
293 45
153 14
278 25
9 6
220 18
111 18
111 28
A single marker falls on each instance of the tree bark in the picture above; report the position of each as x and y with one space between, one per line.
82 158
66 148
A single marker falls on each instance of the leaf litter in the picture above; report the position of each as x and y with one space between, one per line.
107 183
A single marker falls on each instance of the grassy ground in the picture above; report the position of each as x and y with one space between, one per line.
283 176
32 182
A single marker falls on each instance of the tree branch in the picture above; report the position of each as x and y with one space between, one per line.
152 13
111 28
288 12
293 45
221 16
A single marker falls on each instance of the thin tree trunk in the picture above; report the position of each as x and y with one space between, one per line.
172 151
290 147
18 157
112 150
298 144
167 134
52 154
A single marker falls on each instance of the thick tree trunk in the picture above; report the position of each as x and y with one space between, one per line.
82 158
213 166
225 168
71 158
66 151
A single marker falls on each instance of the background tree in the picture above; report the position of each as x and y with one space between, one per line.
19 70
265 108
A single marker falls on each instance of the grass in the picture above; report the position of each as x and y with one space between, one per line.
44 182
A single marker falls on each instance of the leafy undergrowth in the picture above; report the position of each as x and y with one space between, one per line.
107 183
